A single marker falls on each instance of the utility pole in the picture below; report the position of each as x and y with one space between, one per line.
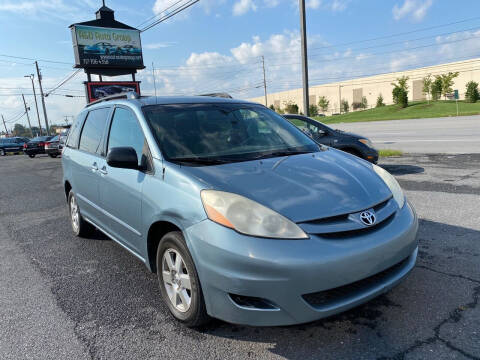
264 81
43 98
303 29
6 131
31 76
154 80
28 116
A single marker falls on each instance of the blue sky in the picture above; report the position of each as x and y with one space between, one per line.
216 45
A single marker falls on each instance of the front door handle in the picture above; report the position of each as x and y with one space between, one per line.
103 170
94 167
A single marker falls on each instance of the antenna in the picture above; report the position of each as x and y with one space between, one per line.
103 1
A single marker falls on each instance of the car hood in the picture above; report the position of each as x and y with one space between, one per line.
301 187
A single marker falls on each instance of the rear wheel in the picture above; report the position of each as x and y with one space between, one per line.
79 226
2 152
31 156
178 279
52 155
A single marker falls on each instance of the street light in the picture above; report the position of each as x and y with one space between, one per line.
32 76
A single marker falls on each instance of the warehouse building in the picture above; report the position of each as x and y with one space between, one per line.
371 87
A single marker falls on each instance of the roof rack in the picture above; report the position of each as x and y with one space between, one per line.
123 95
221 95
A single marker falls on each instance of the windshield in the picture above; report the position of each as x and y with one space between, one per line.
221 133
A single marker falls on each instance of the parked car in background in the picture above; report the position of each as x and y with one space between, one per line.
12 144
52 147
101 48
36 146
352 143
242 216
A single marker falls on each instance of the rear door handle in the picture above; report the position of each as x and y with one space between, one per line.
103 170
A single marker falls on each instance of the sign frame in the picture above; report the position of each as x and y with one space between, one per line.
109 50
91 93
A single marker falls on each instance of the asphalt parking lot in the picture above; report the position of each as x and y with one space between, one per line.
64 297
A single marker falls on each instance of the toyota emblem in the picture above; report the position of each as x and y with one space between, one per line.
368 217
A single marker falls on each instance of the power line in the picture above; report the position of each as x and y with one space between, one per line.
159 13
174 12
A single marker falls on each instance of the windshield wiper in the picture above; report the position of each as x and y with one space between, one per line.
281 153
200 161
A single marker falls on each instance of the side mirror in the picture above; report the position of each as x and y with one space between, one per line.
123 157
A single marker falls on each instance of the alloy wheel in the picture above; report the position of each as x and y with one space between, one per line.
176 280
74 214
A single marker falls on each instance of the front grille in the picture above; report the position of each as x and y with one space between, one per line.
331 296
358 232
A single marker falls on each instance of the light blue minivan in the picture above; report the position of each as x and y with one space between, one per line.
242 216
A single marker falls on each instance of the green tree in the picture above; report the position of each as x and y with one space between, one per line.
436 88
345 106
380 102
472 94
364 102
323 103
447 82
291 107
313 110
271 107
427 86
400 91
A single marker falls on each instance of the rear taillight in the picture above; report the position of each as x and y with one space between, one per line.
41 144
25 146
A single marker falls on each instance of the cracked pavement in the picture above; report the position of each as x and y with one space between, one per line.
64 297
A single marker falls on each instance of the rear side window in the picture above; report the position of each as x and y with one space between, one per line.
93 130
74 133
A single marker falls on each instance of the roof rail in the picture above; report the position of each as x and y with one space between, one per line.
123 95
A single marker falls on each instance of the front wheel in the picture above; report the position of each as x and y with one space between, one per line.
52 155
178 279
2 152
31 156
79 226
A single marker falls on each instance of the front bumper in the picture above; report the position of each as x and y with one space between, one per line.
283 271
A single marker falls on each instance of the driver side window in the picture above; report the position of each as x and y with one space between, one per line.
125 131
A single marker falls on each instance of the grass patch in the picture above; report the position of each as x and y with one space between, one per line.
389 152
415 110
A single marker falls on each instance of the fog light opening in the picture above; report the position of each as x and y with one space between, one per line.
252 302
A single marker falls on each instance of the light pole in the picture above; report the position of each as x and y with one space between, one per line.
31 76
303 29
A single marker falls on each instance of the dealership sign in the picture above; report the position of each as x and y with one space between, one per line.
100 89
101 47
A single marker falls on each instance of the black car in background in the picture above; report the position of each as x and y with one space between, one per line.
323 134
12 144
36 146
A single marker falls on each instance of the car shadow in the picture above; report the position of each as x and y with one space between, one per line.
400 169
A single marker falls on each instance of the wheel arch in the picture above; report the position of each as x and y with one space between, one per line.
156 231
67 187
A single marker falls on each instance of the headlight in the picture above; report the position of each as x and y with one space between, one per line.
247 216
366 142
392 184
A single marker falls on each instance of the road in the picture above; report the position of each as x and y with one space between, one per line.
69 298
450 135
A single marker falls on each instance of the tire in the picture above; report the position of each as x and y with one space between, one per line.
53 156
31 156
2 152
80 227
180 287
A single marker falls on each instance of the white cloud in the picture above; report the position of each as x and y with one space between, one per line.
160 45
271 3
417 9
46 9
243 6
313 4
339 5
